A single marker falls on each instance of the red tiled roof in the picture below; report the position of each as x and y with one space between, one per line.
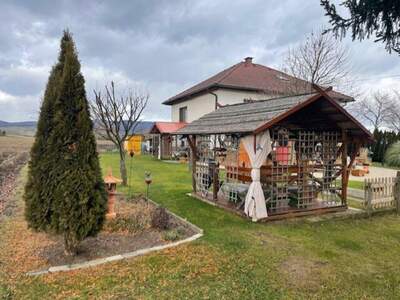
167 127
252 77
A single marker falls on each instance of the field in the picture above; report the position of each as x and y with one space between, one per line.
236 259
14 143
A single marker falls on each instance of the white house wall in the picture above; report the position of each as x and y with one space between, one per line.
196 107
203 104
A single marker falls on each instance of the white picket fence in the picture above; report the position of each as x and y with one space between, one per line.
382 193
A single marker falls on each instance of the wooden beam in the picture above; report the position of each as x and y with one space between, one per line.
192 144
344 168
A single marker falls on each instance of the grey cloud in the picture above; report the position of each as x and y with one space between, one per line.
165 45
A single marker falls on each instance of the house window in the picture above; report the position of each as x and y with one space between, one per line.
183 114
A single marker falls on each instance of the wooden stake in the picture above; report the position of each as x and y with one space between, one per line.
397 192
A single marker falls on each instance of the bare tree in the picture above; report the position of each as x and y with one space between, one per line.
375 109
117 116
320 59
394 112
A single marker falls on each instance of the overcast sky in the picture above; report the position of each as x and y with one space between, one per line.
164 46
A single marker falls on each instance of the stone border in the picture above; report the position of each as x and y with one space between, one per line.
100 261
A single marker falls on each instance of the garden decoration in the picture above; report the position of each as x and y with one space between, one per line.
111 187
131 154
148 181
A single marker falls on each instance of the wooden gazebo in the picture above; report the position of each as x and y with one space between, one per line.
275 158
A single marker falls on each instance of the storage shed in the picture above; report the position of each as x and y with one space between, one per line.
276 158
165 141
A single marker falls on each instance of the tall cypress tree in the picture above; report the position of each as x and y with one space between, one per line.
77 204
38 190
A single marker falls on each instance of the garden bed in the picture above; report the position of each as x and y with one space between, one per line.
132 230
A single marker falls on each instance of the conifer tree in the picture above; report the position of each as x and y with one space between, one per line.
38 195
76 198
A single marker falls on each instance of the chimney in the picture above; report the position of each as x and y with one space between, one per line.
248 60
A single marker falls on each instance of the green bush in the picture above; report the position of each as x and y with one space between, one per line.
172 235
129 223
392 156
160 218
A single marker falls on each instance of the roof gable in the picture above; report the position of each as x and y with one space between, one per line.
167 127
252 77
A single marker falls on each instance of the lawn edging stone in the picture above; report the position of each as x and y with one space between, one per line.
113 258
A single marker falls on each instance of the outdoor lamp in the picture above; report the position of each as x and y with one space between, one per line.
148 181
111 187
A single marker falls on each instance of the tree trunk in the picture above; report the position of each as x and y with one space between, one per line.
122 167
70 244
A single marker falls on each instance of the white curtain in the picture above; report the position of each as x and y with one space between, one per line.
254 205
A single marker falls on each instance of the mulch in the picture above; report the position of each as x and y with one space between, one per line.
25 250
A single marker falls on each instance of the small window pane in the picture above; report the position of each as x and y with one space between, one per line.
183 114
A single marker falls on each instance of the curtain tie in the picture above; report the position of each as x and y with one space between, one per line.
255 174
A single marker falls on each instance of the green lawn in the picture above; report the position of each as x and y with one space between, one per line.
381 165
236 259
356 184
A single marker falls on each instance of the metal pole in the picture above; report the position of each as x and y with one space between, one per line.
130 177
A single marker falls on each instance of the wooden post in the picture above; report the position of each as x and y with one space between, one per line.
192 144
344 168
368 197
215 181
255 143
397 192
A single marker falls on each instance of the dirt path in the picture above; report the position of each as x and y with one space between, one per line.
9 170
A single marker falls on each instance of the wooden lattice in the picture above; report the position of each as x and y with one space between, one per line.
231 147
303 170
278 184
203 169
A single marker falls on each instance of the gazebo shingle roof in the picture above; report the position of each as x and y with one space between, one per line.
243 117
256 116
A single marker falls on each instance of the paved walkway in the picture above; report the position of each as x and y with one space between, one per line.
375 172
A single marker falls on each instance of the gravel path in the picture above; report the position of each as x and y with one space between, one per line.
375 172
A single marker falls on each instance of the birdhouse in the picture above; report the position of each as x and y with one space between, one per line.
111 186
111 181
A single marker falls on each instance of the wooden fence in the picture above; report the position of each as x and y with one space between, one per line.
382 193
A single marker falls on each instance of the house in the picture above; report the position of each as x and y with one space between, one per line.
166 144
297 147
244 81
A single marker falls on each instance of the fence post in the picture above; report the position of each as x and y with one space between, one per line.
368 197
397 192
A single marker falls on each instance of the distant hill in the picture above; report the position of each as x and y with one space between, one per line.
28 128
18 124
143 127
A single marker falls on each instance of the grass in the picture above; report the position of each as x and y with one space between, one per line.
382 165
356 184
236 259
